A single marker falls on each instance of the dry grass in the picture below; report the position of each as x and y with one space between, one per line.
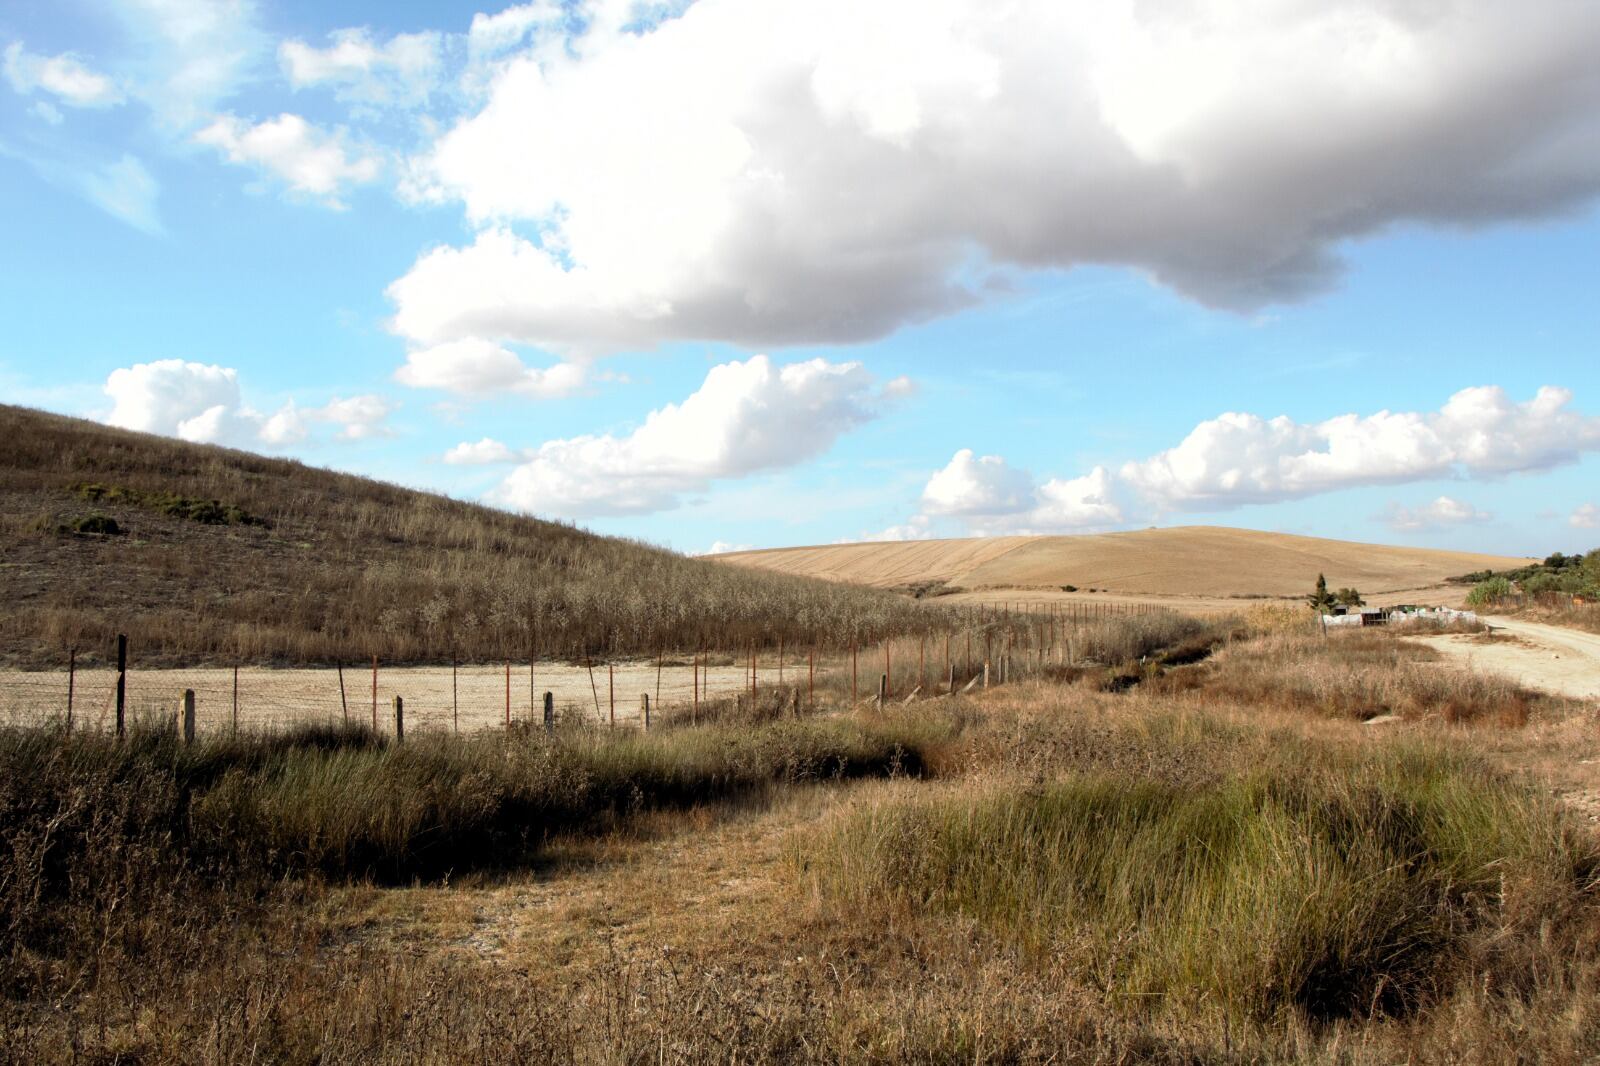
1167 873
1358 675
344 568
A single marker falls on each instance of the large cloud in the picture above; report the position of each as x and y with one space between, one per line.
746 417
778 171
1242 458
201 402
1239 459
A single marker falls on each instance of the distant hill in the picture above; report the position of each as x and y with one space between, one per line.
1187 561
203 552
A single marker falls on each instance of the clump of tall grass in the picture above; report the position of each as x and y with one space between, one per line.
1371 884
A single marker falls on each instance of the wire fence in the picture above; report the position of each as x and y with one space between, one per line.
88 691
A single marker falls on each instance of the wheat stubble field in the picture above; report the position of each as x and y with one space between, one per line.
1194 567
1220 837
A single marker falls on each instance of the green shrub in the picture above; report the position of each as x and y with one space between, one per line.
1488 591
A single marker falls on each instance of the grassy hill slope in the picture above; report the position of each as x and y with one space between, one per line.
1182 561
229 555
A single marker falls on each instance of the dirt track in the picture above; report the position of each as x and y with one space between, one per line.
1562 661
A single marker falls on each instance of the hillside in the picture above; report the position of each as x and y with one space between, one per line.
1190 561
228 555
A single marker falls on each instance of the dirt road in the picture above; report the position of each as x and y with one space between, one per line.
1550 658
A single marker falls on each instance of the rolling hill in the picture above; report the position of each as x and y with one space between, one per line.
1187 562
200 552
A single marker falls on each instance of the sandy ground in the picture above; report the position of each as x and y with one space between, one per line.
1192 562
1565 662
272 698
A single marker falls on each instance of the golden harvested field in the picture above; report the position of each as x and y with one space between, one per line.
1203 563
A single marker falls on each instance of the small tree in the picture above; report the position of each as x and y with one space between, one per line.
1350 598
1321 600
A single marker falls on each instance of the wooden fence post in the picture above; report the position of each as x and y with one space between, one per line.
374 693
611 689
399 719
549 712
344 704
694 666
455 695
235 699
72 677
883 690
660 654
986 673
811 684
508 695
886 670
644 709
122 682
186 711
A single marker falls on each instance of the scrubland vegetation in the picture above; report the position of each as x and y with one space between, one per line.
210 554
1186 847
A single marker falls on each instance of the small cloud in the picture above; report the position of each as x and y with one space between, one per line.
64 76
1587 516
124 190
311 162
722 547
486 452
401 71
1439 514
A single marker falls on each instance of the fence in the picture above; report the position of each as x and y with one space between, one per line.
1004 643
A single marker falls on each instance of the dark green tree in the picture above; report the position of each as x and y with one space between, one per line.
1321 599
1350 598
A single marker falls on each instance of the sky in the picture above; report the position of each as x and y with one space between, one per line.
755 273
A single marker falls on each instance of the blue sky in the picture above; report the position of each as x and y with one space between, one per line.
768 273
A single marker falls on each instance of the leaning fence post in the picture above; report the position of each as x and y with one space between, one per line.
344 705
188 716
549 712
399 719
122 681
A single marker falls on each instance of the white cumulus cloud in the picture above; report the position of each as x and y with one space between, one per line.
803 171
201 402
970 485
65 76
1587 516
473 366
1238 458
1440 513
485 452
723 547
310 161
746 417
